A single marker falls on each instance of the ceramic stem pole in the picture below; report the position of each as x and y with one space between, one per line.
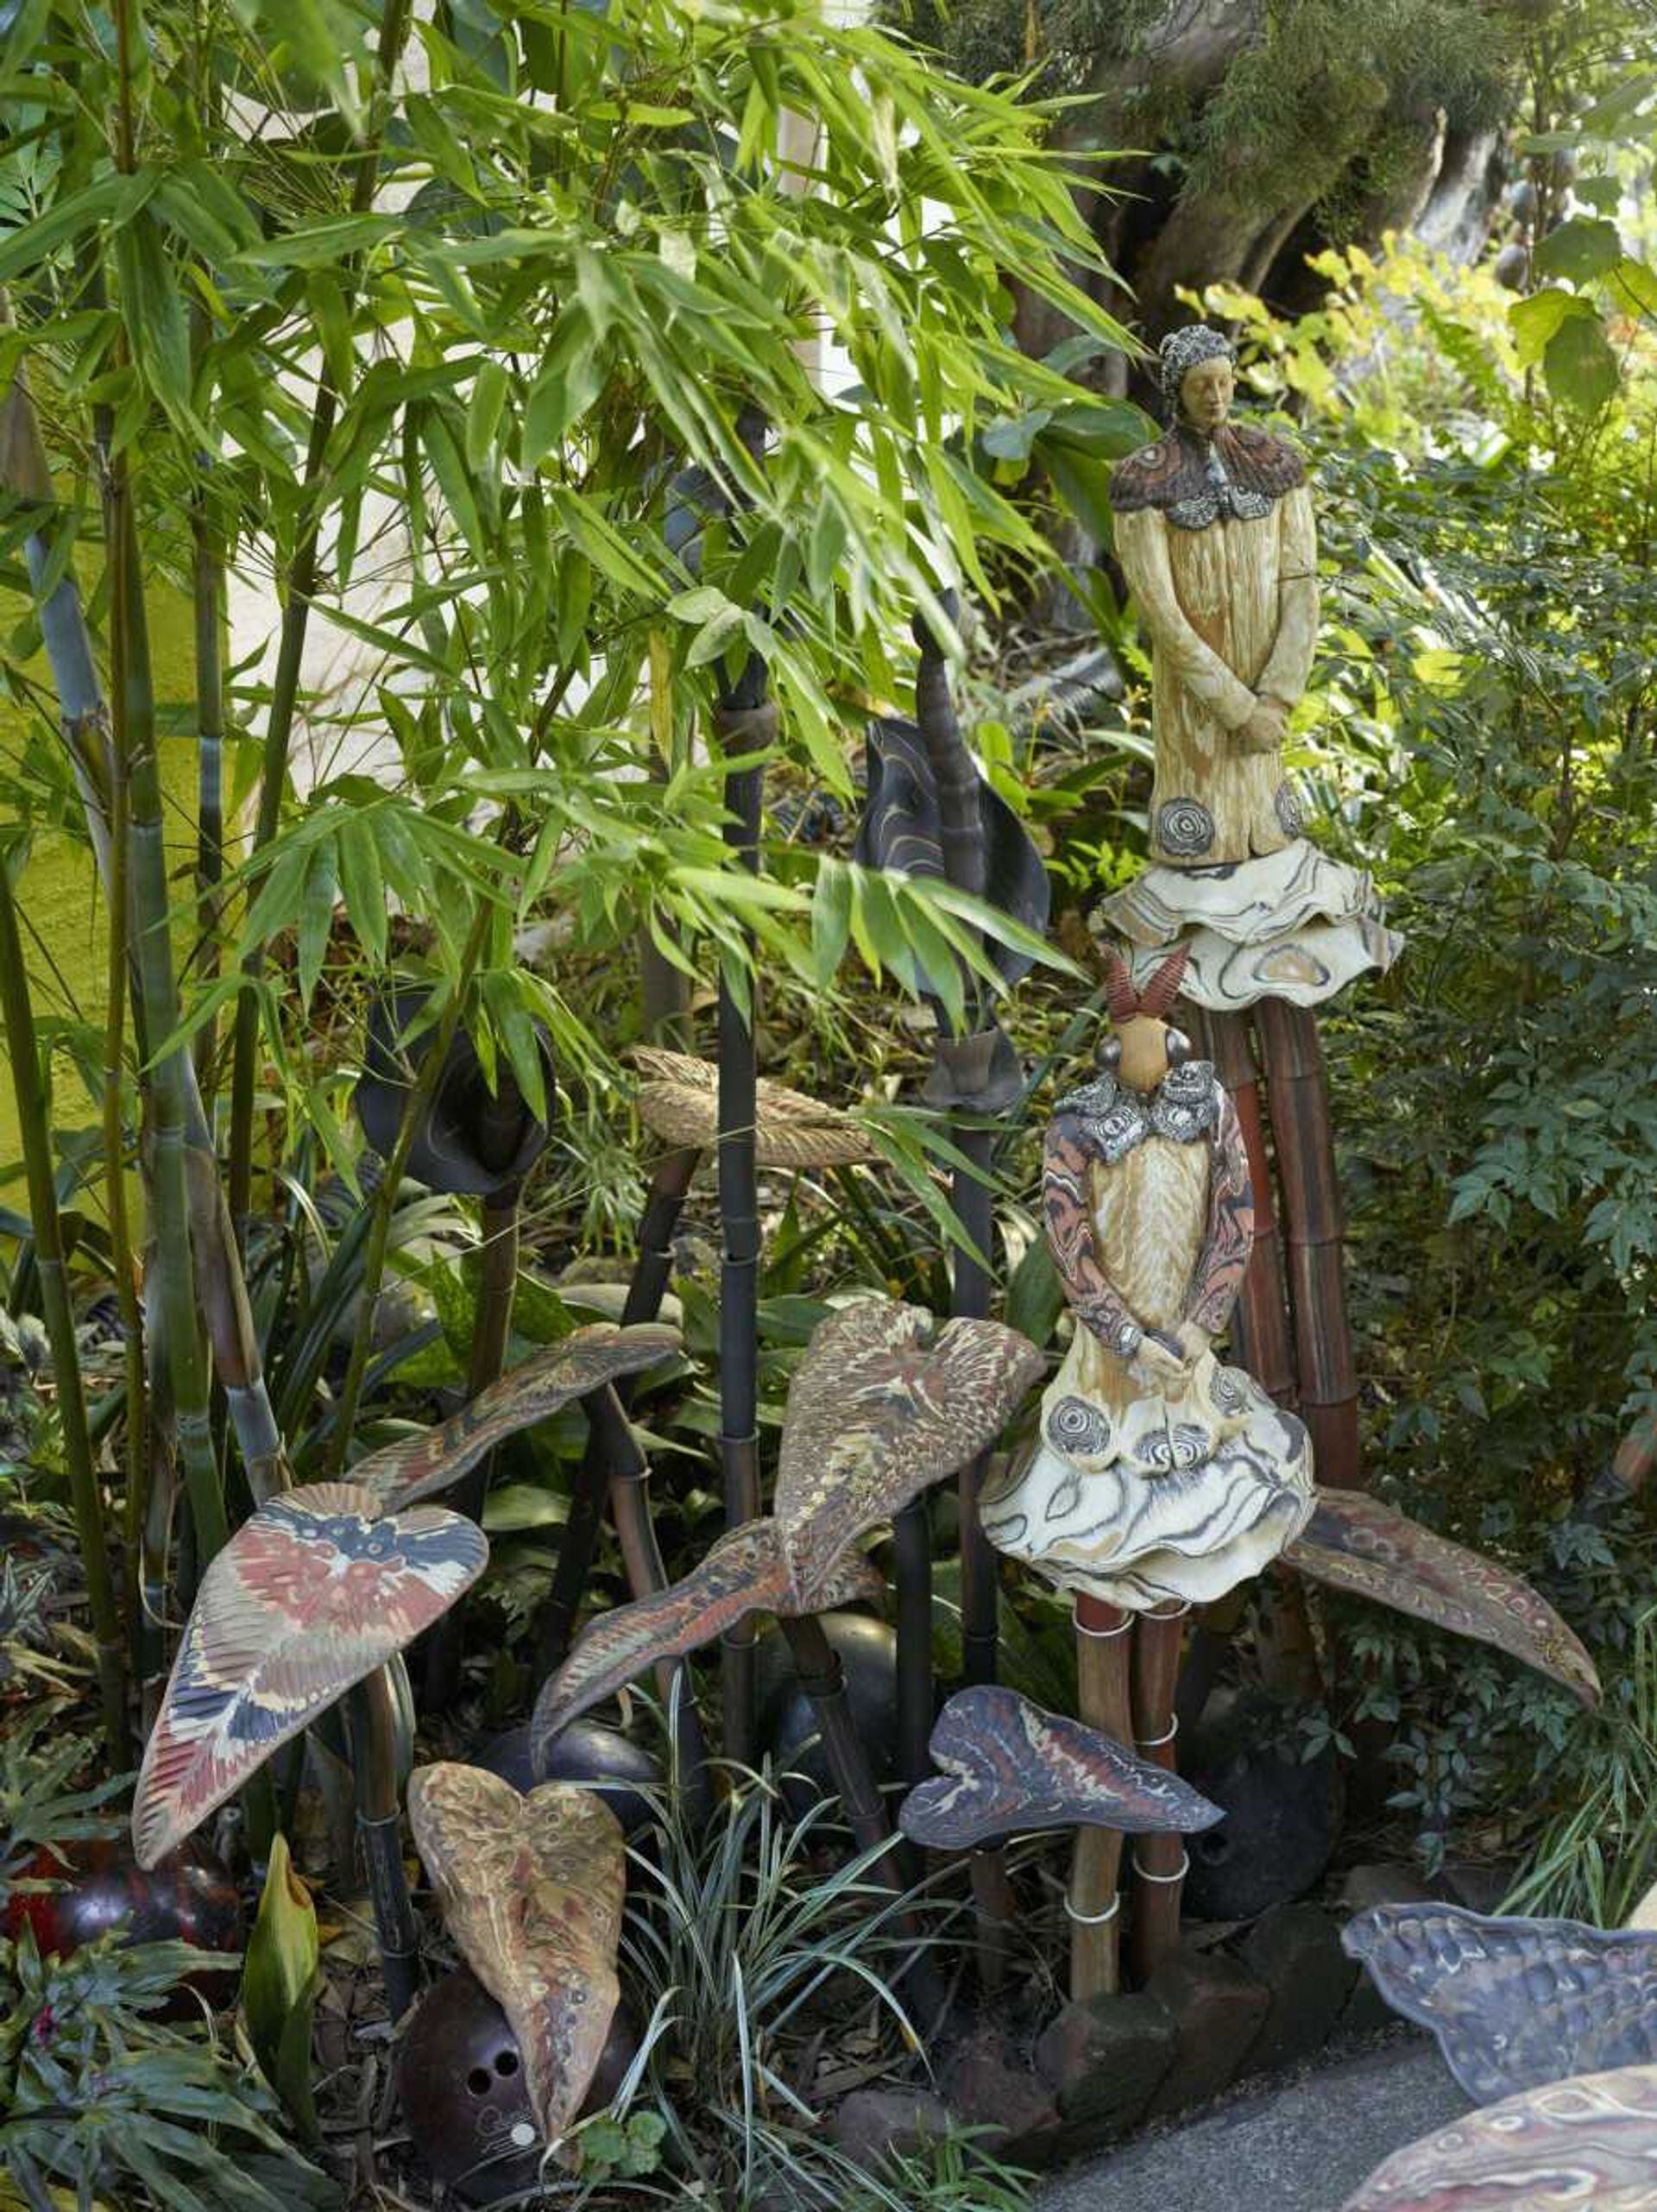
380 1833
1103 1632
1303 1138
745 726
1158 1860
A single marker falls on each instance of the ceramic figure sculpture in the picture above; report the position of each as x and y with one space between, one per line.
1160 1476
1218 541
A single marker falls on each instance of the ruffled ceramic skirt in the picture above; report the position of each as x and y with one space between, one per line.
1293 924
1157 1500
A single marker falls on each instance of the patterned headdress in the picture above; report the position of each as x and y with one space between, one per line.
1183 350
1158 995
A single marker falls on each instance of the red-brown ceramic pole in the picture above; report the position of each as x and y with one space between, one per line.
1302 1135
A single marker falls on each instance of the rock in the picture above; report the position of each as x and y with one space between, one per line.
1386 1882
1295 1950
1104 2060
871 2124
986 2085
1283 1813
1481 1888
1218 2009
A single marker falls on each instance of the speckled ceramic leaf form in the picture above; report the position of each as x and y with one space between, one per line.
414 1466
1010 1768
1585 2144
1514 2002
1355 1542
678 1101
884 1403
310 1595
531 1890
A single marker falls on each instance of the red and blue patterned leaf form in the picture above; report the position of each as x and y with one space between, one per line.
1585 2144
1513 2003
1010 1768
885 1403
531 1890
1355 1542
585 1360
312 1594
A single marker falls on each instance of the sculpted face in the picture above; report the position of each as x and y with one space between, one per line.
1205 393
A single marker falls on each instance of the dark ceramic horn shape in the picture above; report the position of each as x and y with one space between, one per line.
1010 1768
1514 2003
902 829
475 1141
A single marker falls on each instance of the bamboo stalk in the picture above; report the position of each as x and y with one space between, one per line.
208 587
1298 1098
121 1252
1103 1701
416 1105
133 700
492 1326
745 723
1159 1861
296 613
29 1088
380 1833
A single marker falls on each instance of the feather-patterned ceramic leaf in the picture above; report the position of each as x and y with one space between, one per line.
745 1572
678 1101
531 1890
886 1401
310 1595
1355 1542
414 1466
1585 2144
1010 1768
1513 2002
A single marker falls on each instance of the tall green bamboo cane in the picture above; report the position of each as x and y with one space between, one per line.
141 1639
290 653
30 1090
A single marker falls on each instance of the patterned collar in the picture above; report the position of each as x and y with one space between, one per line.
1184 1107
1238 474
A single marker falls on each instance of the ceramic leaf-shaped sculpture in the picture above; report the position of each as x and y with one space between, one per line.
531 1889
1160 1473
432 1458
1008 1768
885 1403
678 1101
1514 2002
313 1593
1588 2142
1356 1542
475 1137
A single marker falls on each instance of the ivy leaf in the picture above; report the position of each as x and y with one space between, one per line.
1537 320
1579 366
1580 250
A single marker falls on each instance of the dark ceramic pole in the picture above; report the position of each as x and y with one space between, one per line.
379 1832
745 723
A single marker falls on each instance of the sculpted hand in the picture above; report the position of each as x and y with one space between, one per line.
1263 730
1193 1340
1159 1369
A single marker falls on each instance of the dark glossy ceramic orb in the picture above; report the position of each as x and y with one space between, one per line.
606 1760
1283 1813
868 1653
460 2081
189 1898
